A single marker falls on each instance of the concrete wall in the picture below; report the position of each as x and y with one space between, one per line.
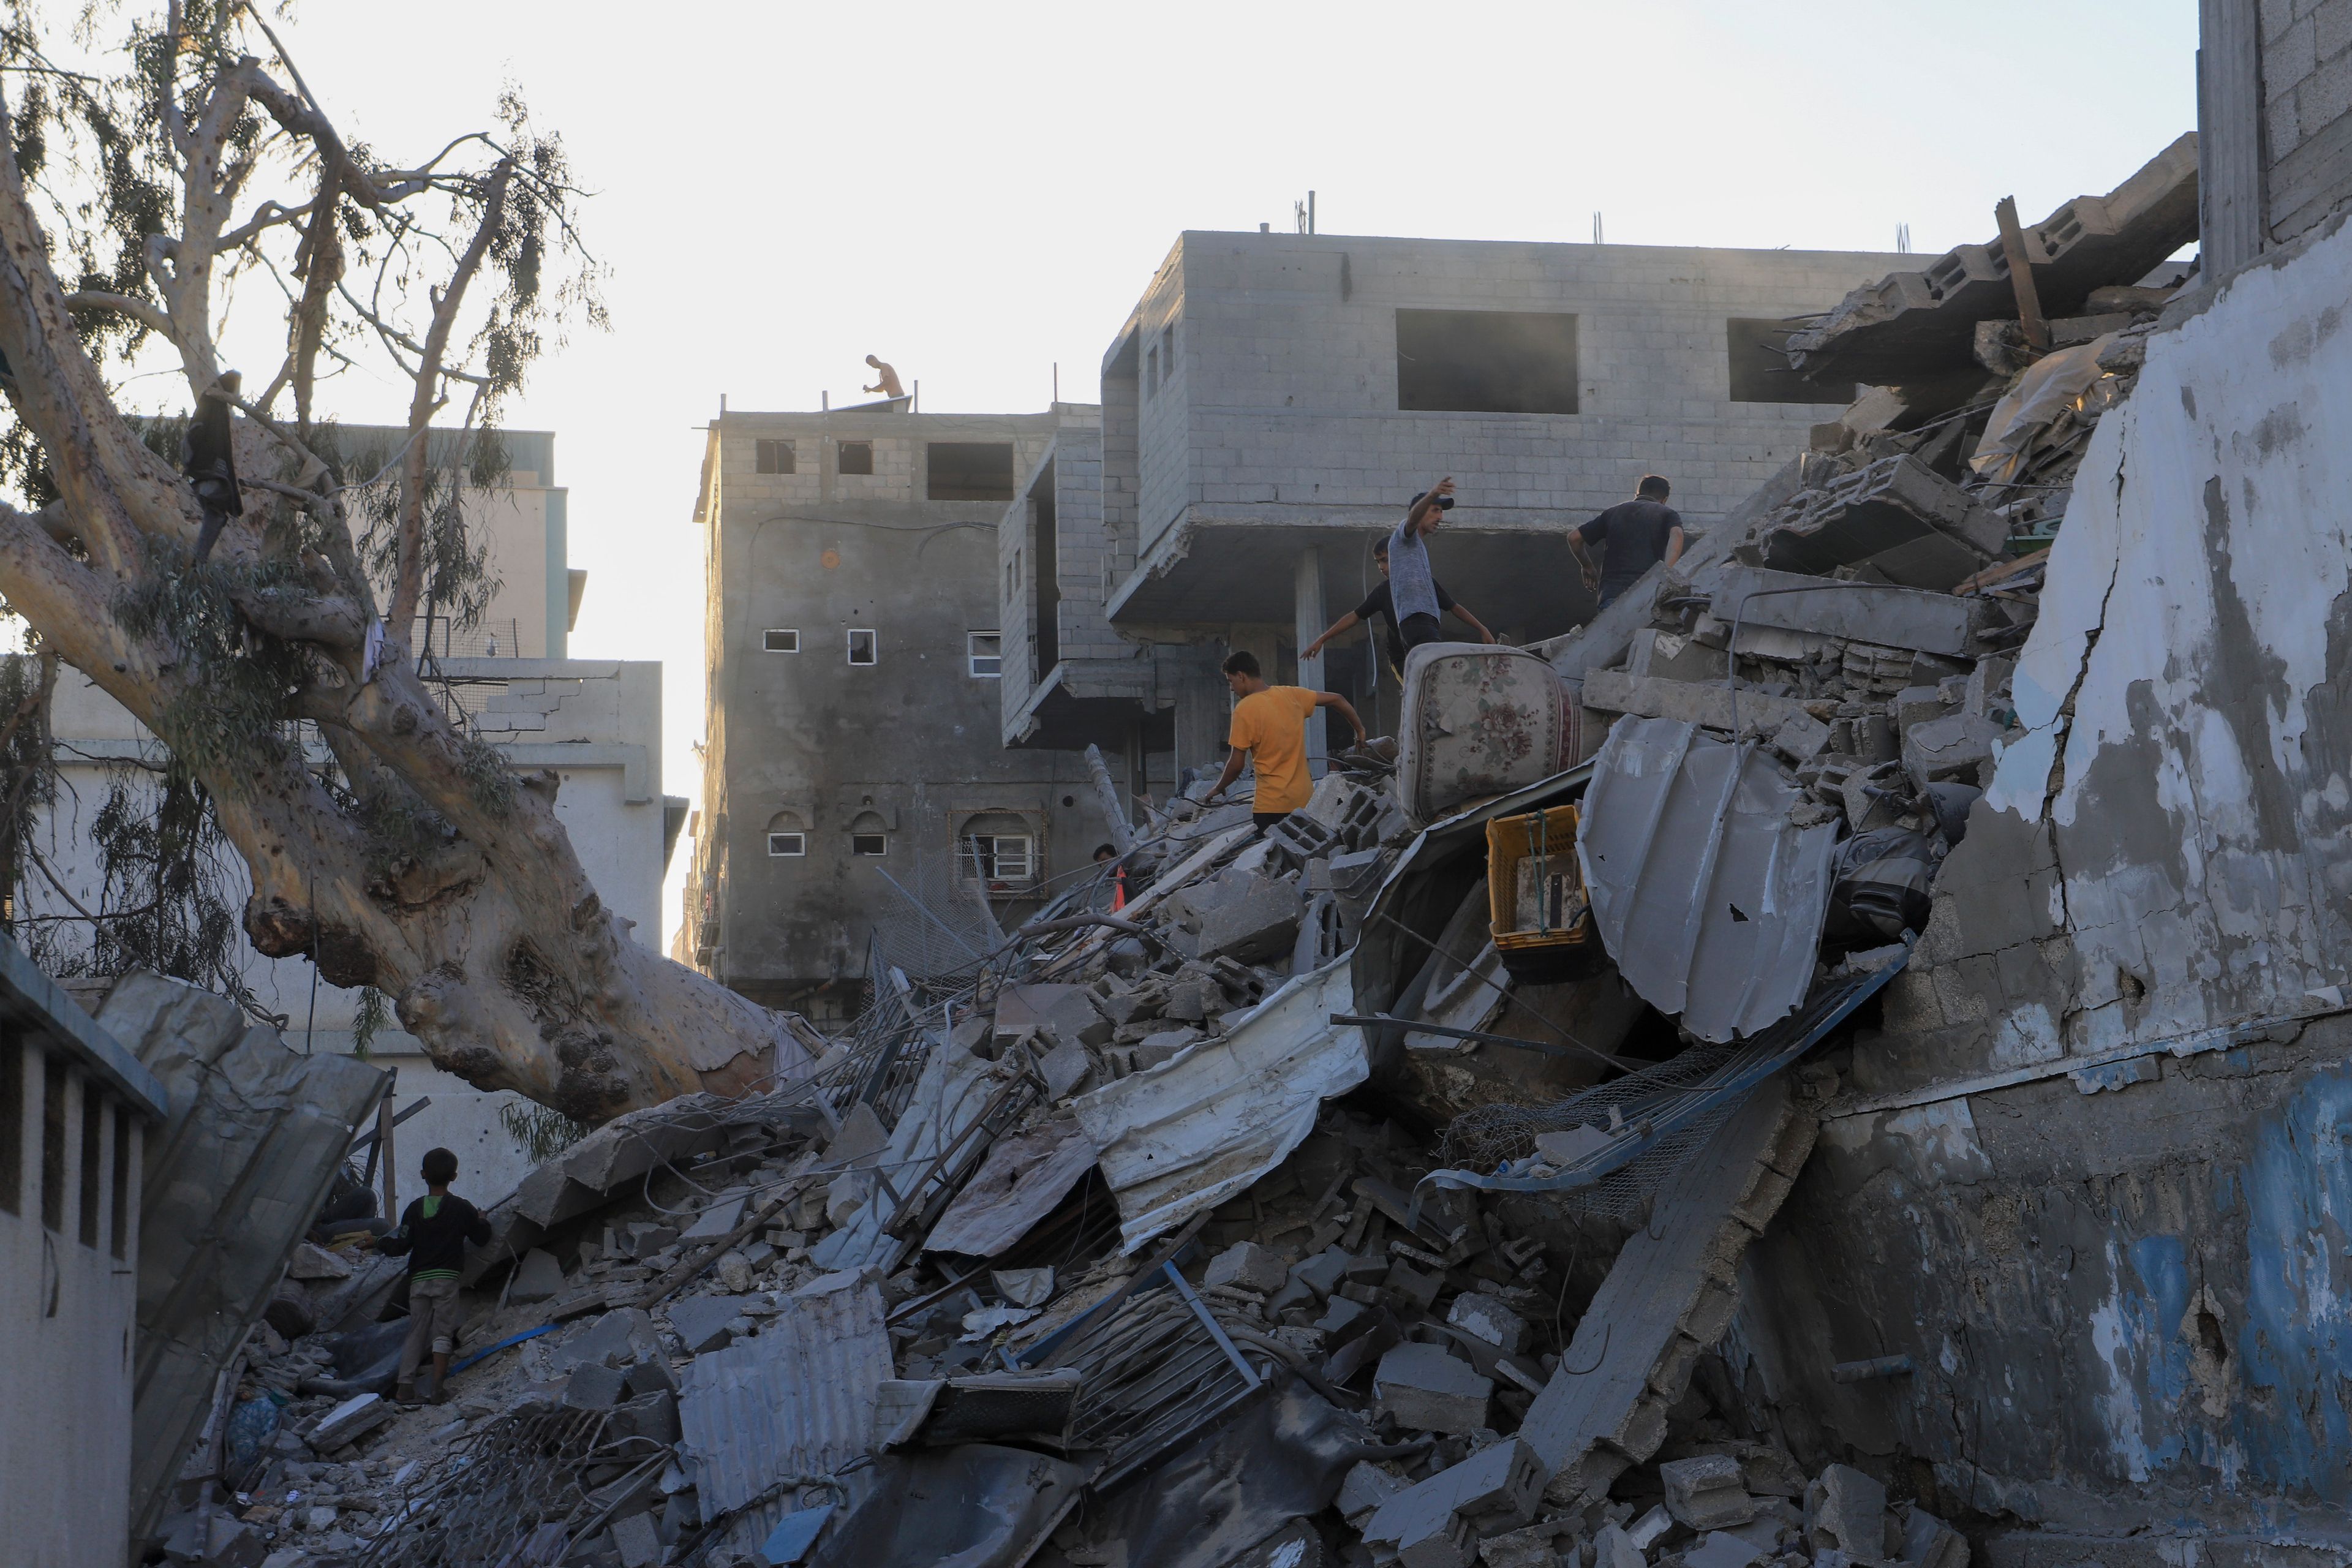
913 741
2274 89
596 722
67 1303
1286 390
2096 1154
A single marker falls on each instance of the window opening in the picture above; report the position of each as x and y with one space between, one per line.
861 646
1485 362
773 457
93 1152
855 457
970 470
1167 363
785 845
986 652
12 1122
53 1143
869 836
1152 369
119 1206
1758 362
780 640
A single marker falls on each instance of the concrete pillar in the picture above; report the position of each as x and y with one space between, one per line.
1203 709
1307 623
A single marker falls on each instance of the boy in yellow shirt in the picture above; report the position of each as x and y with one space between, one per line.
1270 728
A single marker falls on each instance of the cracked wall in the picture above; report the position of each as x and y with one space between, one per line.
2090 1172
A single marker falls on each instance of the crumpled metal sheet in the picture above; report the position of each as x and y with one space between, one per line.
797 1399
1017 1185
1706 895
953 1090
231 1183
1192 1132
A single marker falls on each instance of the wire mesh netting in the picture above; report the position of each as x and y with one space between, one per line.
515 1493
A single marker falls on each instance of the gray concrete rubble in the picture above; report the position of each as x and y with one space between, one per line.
1483 1164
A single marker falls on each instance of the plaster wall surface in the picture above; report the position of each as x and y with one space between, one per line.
2092 1174
66 1309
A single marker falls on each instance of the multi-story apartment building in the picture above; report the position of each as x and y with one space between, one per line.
1273 401
855 784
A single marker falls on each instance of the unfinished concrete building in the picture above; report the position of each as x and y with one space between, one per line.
853 780
1274 399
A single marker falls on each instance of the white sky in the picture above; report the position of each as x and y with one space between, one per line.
977 191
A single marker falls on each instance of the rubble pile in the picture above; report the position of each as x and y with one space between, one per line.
1372 1188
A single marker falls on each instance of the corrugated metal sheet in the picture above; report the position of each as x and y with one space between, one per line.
1194 1130
1017 1185
1706 895
232 1180
796 1400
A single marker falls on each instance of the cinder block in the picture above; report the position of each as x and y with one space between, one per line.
1429 1391
1707 1492
1248 1266
594 1387
1845 1511
1487 1317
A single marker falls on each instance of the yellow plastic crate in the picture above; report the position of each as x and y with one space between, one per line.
1544 952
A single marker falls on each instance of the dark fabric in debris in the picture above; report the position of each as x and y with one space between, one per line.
1879 885
1280 1458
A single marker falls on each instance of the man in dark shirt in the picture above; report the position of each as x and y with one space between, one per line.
1635 536
1382 602
434 1231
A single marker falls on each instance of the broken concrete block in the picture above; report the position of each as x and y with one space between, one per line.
1613 1547
653 1417
311 1261
1666 657
1721 1548
637 1541
1248 1266
615 1339
1956 747
1065 1012
1490 1319
701 1321
1919 529
1918 705
848 1193
594 1387
1929 1542
1644 1532
347 1423
1320 1272
1065 1068
538 1278
233 1543
1846 1510
1800 738
1566 1147
1709 706
1429 1391
645 1237
1164 1044
719 1217
651 1375
1412 1286
1447 1540
1534 1546
1367 1486
1255 919
1499 1486
1885 617
1192 993
1707 1492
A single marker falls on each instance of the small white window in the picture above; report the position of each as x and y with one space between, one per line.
872 846
780 641
986 650
1003 859
785 844
861 646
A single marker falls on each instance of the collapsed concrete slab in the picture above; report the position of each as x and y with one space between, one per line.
1862 612
1668 1297
1898 516
1890 331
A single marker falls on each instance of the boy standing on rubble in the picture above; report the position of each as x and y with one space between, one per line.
1381 603
1270 728
433 1234
1635 535
1413 588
